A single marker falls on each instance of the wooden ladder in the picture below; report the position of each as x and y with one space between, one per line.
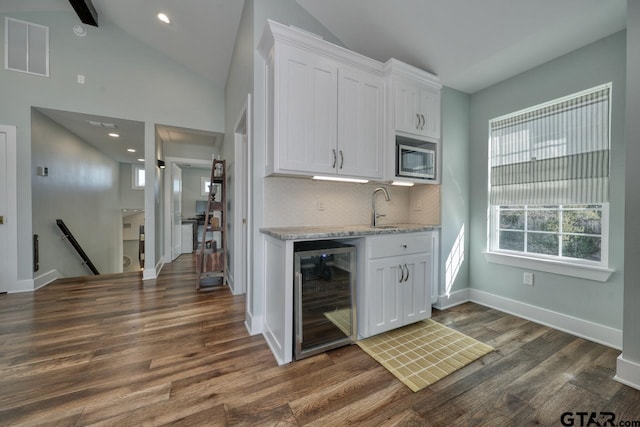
210 259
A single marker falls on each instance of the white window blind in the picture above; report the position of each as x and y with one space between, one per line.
552 154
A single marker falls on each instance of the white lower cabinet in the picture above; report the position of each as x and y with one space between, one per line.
398 278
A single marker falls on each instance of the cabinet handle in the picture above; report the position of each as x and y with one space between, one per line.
335 159
417 121
299 310
407 269
341 159
424 121
401 274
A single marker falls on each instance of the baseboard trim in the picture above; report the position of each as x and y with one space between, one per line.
253 324
627 372
149 273
582 328
22 285
46 278
453 299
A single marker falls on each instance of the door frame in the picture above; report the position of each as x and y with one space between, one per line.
242 245
168 198
11 215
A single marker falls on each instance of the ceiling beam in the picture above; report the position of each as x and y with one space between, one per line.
86 12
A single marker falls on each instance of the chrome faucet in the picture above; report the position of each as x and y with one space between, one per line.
374 215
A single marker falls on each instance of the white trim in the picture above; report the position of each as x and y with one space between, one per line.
455 298
11 219
598 274
25 285
627 372
46 278
149 273
254 325
168 197
582 328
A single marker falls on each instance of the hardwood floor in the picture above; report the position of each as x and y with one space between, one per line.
116 351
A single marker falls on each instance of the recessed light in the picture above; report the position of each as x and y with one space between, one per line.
114 135
141 160
164 18
131 150
79 30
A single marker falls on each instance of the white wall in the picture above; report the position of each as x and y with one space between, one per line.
82 189
590 301
454 237
124 79
629 362
191 180
130 198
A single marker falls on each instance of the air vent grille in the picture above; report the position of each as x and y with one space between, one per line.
26 47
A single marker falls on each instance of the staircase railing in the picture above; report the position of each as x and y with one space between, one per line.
67 235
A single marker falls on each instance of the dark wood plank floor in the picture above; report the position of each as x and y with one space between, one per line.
117 351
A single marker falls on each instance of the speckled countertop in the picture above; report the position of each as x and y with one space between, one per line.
324 232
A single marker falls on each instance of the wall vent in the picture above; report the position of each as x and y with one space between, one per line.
26 47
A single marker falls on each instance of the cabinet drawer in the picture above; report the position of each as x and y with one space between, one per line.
398 244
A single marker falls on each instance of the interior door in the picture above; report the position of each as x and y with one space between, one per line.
176 235
4 229
8 210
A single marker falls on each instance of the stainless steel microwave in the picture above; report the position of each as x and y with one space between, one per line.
415 162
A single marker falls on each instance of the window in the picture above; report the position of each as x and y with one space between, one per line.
549 180
137 177
205 183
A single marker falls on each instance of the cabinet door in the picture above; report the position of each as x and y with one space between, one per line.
384 305
360 123
305 112
407 106
430 112
416 288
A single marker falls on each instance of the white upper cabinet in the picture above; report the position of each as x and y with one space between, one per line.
306 112
416 101
360 123
325 107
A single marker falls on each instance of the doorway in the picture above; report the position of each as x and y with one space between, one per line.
242 201
8 209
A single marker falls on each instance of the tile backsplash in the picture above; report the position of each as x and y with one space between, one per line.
291 202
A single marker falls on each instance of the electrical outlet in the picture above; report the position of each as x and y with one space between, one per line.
417 205
320 205
527 279
81 79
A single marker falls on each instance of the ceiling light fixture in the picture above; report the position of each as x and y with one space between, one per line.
340 179
114 135
131 150
164 18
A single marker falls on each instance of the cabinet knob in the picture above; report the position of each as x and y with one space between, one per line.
404 246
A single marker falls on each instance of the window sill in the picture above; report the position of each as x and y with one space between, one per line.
599 274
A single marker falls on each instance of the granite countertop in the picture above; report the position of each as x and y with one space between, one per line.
324 232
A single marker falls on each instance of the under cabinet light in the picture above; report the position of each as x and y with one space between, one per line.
340 179
402 183
164 18
114 135
131 150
